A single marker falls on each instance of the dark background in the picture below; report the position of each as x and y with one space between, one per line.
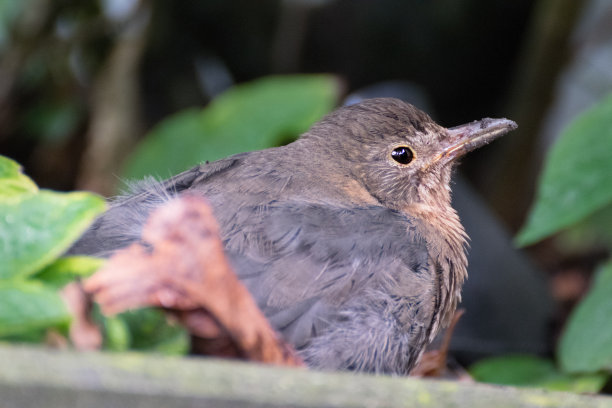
464 55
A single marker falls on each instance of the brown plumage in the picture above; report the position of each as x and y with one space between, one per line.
346 238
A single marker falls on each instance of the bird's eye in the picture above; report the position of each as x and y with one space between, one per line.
402 154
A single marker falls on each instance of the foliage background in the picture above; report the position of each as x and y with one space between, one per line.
85 84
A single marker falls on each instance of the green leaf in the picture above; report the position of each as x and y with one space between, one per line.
595 231
143 330
531 371
586 343
27 306
12 181
37 228
117 335
576 181
65 270
149 330
169 148
255 115
33 336
513 370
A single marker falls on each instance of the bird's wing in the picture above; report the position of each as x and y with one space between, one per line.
304 262
151 188
122 224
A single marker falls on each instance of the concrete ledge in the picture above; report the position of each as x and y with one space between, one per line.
36 377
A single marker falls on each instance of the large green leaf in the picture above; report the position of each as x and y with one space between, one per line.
251 116
37 228
531 371
12 181
27 306
586 344
577 177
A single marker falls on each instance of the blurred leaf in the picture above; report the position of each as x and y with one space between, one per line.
36 229
581 383
37 335
531 371
65 270
595 231
52 121
576 181
116 334
9 12
168 148
601 223
586 343
12 181
513 370
251 116
27 306
150 331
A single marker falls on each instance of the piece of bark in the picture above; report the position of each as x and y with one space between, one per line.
183 269
84 333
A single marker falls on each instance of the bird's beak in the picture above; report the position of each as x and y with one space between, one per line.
465 138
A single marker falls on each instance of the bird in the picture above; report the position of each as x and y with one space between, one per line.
346 237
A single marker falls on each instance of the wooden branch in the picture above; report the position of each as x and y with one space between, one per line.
36 378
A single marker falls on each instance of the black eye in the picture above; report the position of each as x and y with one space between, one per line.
402 154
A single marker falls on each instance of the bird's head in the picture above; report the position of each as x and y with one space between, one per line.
398 153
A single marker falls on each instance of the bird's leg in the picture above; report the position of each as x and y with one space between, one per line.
433 362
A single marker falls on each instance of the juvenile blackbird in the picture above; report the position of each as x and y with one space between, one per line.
346 238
